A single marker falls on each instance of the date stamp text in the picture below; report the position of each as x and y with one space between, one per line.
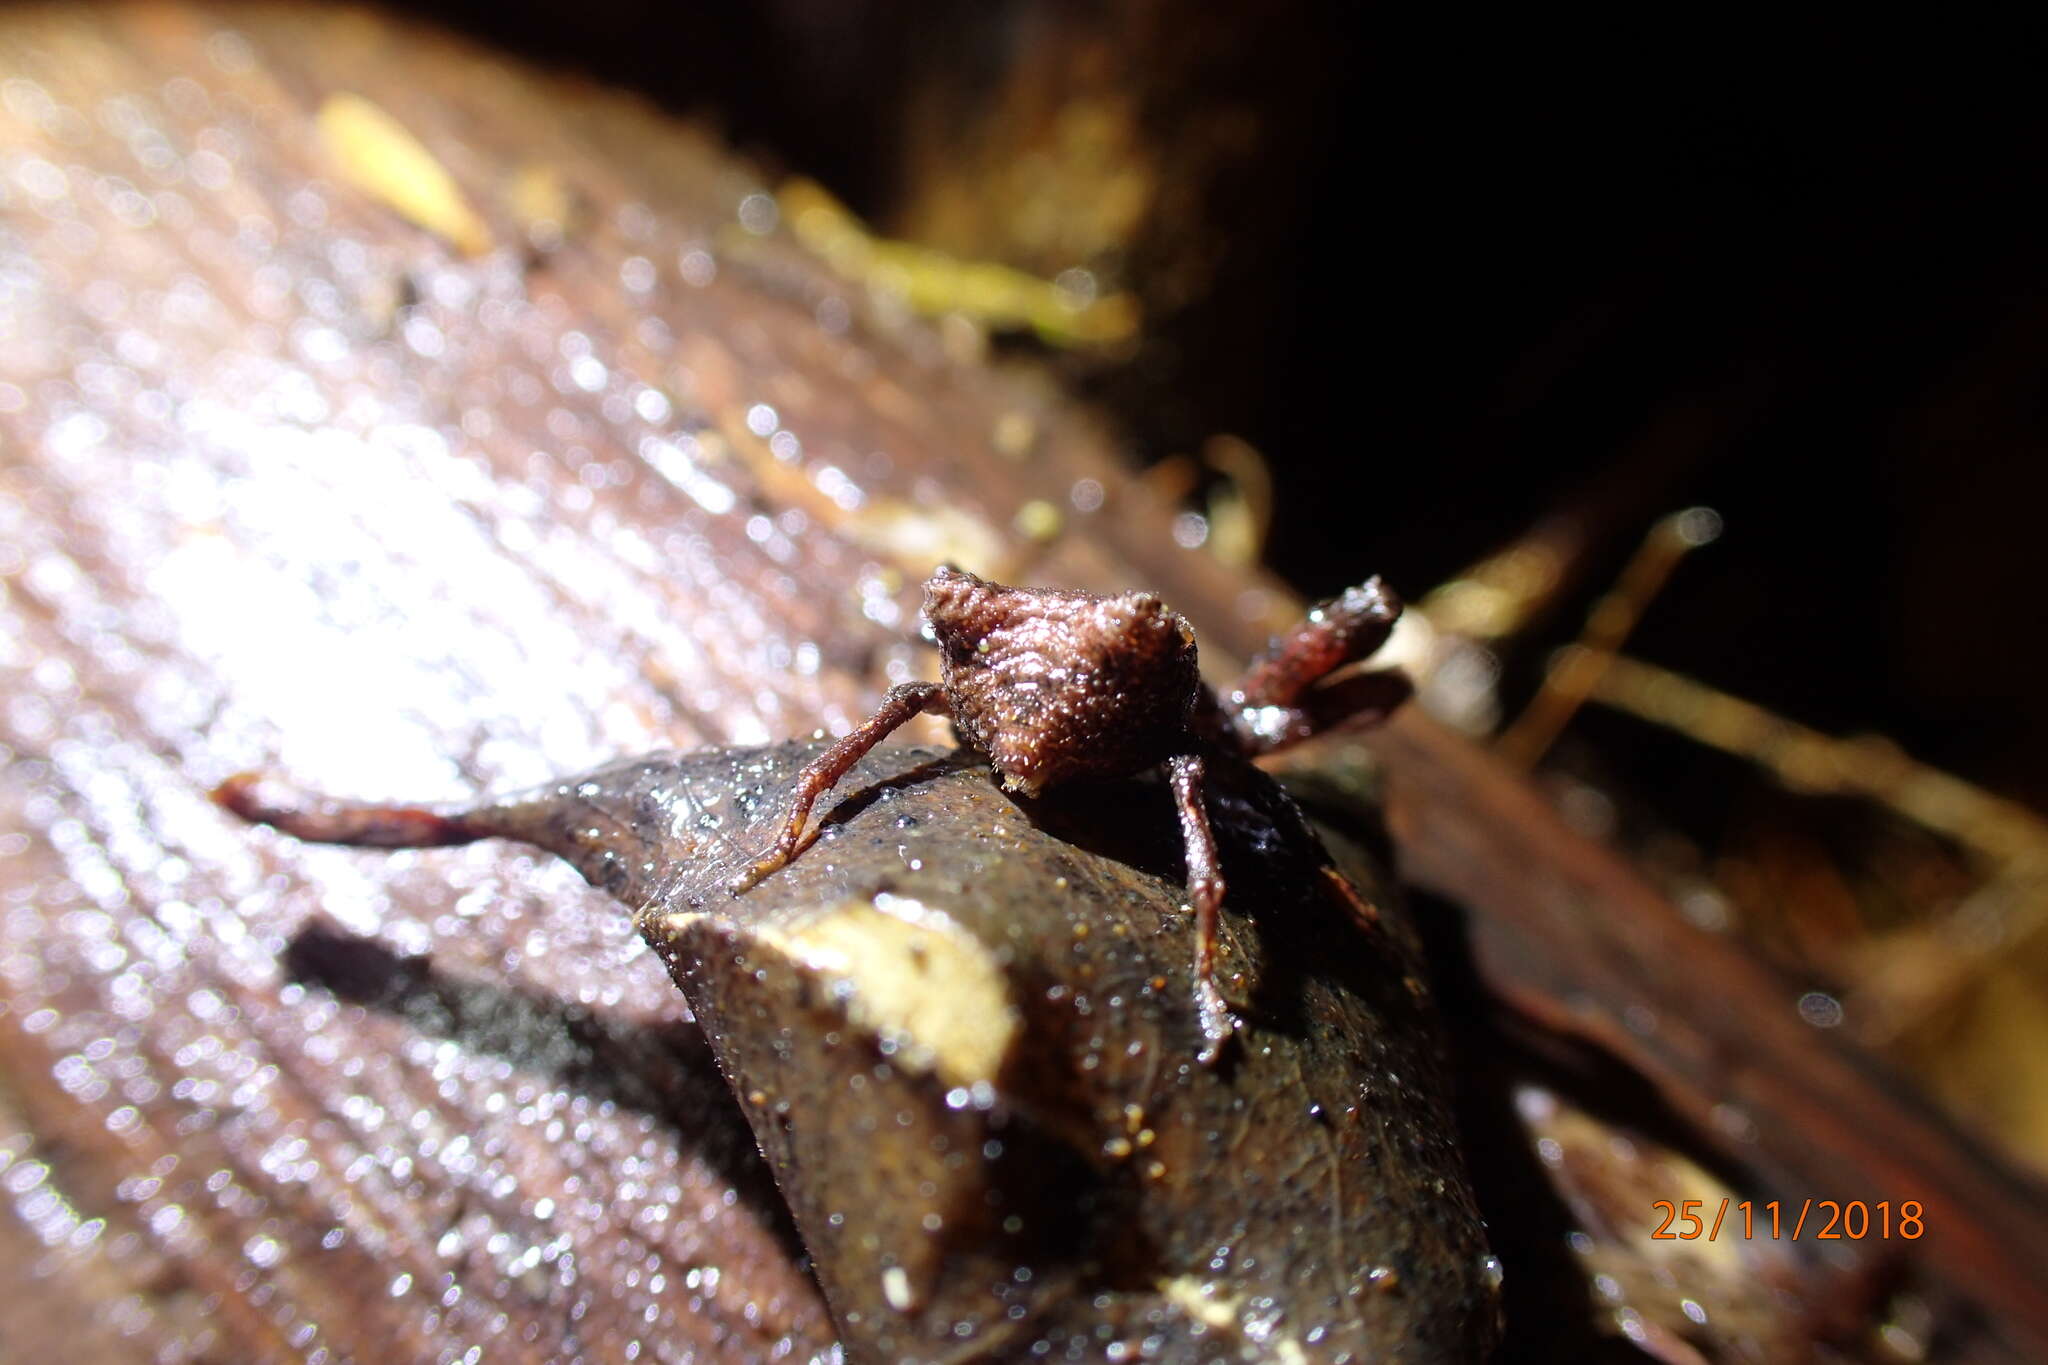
1819 1220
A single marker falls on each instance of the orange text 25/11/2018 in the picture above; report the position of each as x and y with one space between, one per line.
1821 1220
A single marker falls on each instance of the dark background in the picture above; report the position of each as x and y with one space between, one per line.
1468 275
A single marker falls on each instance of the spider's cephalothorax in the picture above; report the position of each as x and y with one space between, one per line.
1054 685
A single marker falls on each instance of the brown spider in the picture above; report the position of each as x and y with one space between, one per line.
1055 685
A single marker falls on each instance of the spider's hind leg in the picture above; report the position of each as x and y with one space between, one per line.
1187 775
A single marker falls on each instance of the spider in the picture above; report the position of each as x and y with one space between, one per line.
1053 686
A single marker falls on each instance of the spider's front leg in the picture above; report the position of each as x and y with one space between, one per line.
903 702
1187 774
1283 697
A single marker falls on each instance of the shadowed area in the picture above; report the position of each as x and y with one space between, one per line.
663 1070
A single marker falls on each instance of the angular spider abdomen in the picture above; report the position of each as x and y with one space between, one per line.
1056 685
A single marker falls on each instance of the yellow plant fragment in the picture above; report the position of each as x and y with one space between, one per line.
932 283
377 155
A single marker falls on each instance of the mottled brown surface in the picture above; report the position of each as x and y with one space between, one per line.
285 484
1054 686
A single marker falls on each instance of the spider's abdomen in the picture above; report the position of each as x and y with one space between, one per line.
1055 685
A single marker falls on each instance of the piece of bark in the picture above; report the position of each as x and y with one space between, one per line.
285 482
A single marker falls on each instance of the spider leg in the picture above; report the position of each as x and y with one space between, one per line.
1279 701
1186 774
903 702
